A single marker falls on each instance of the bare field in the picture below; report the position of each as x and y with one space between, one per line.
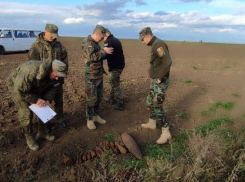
202 74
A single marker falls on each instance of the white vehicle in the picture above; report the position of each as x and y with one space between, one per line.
16 39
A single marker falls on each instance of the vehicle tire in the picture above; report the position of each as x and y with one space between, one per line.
2 50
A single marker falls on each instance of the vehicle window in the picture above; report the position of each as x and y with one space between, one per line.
6 34
20 34
34 33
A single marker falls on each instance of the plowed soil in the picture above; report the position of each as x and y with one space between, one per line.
215 72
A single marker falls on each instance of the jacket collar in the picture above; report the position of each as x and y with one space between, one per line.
152 40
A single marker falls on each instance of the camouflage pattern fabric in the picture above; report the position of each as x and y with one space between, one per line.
93 57
115 89
94 93
42 50
155 99
26 84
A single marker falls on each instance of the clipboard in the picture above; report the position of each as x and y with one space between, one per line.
44 113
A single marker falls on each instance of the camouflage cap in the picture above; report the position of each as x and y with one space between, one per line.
145 31
52 29
101 29
59 67
107 30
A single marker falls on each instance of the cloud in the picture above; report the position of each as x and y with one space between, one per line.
121 15
161 13
228 4
73 20
140 2
103 9
187 1
215 30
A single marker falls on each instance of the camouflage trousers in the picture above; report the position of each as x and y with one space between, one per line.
94 95
155 99
115 88
25 115
58 105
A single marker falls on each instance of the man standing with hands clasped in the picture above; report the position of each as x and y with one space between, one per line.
160 63
33 83
93 57
116 63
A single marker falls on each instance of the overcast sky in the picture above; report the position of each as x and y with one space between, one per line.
189 20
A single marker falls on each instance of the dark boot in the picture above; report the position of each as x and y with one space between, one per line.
42 132
118 106
110 100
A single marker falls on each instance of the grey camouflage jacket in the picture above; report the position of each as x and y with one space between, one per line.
42 50
31 81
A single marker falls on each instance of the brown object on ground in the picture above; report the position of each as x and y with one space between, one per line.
131 145
67 160
84 157
121 148
79 159
100 151
210 65
112 144
107 145
93 154
115 150
88 156
98 154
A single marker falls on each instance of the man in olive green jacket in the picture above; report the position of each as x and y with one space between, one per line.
34 83
160 63
46 46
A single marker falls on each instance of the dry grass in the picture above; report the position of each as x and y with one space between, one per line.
217 156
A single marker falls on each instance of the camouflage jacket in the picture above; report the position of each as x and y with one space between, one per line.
93 57
42 50
160 61
31 81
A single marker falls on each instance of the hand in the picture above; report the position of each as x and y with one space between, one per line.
41 103
47 103
108 50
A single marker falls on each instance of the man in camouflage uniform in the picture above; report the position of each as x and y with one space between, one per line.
116 63
46 46
93 57
34 83
160 63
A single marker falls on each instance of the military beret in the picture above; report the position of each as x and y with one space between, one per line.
52 29
59 67
145 31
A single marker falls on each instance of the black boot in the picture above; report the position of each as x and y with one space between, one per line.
118 106
110 100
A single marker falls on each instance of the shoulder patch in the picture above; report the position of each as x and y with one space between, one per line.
160 51
90 49
106 44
